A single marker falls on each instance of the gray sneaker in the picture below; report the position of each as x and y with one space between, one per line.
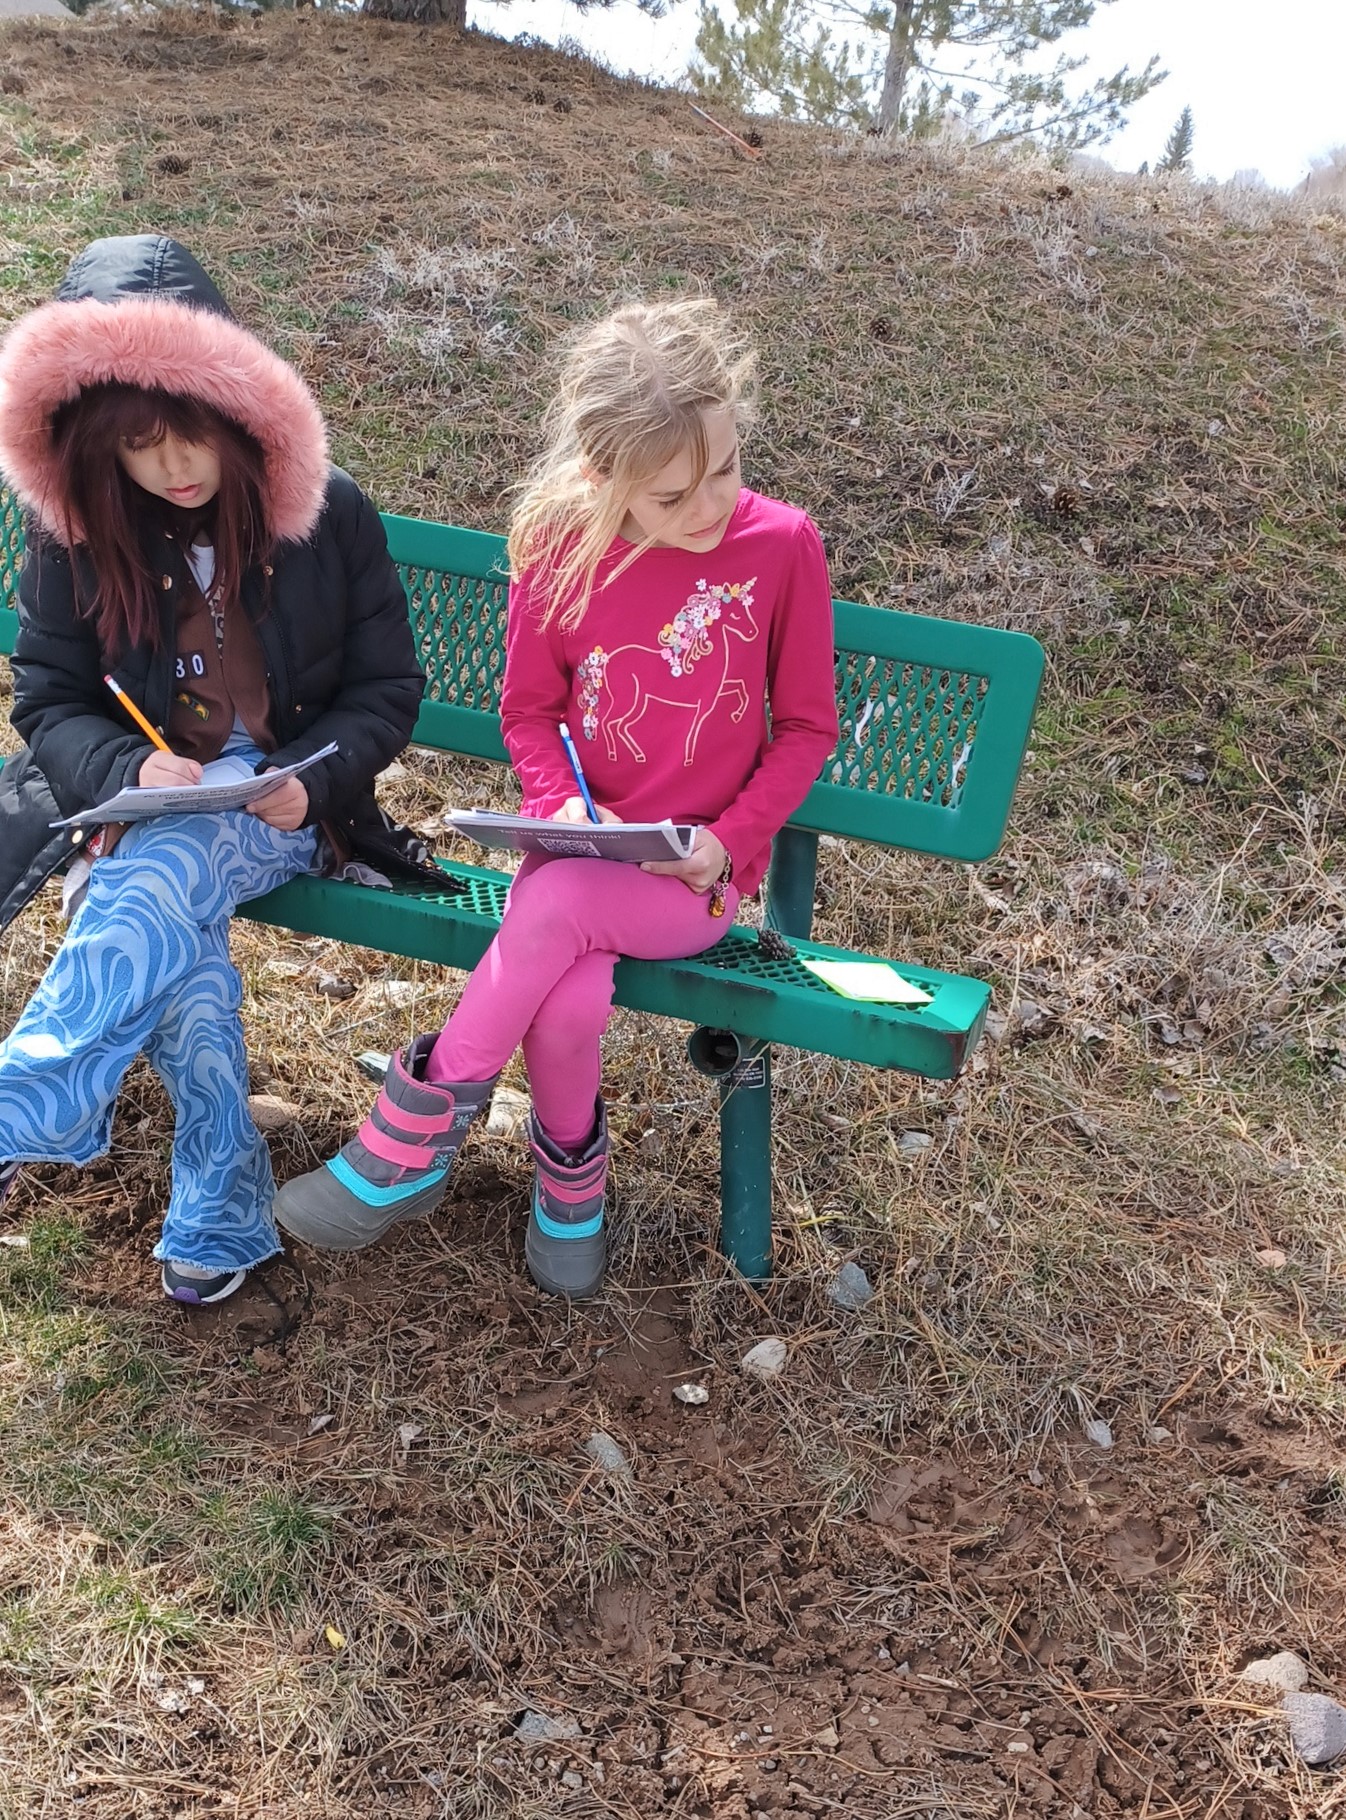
566 1248
9 1174
395 1168
196 1287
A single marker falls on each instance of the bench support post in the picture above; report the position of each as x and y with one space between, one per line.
745 1162
743 1069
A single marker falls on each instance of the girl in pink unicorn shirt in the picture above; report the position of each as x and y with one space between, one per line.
658 607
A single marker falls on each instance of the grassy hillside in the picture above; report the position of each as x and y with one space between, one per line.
901 1581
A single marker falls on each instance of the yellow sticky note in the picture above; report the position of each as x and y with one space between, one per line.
872 980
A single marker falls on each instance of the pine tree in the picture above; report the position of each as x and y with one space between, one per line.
777 48
882 64
1178 151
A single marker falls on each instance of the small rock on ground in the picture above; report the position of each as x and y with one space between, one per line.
607 1455
545 1728
766 1360
1284 1670
1317 1727
851 1289
509 1109
270 1113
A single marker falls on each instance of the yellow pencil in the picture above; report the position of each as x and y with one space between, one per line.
136 715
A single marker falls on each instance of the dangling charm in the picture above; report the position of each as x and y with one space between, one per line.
717 889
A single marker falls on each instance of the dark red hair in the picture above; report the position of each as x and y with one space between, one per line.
101 508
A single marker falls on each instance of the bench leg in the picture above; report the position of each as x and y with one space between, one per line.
745 1162
743 1069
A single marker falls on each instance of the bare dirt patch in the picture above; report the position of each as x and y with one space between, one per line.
723 1633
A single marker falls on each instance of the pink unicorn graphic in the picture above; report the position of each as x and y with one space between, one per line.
681 671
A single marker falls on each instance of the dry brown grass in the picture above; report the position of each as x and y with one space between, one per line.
1104 411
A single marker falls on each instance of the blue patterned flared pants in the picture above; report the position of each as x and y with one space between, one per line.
145 965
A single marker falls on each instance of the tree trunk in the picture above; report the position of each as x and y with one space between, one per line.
419 12
897 66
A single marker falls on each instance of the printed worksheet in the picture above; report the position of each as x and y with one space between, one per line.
634 841
226 783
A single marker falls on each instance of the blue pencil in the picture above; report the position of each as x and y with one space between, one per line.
578 769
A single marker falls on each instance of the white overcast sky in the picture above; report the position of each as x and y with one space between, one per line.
1266 83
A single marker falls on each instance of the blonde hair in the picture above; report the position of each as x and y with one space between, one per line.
632 395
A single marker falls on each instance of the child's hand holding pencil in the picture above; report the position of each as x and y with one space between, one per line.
573 810
581 808
163 769
166 771
285 807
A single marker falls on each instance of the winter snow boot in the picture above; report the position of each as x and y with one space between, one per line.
566 1248
397 1165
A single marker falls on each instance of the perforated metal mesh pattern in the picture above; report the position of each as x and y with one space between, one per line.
459 623
469 892
906 730
11 548
740 954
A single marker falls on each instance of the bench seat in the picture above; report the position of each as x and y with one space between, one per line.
735 986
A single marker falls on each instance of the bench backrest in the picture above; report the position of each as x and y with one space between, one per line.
934 714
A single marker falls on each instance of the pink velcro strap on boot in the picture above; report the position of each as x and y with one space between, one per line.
570 1188
417 1123
409 1139
572 1185
393 1150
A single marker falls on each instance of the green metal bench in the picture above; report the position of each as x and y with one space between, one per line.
934 720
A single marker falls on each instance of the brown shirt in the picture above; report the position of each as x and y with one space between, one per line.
220 674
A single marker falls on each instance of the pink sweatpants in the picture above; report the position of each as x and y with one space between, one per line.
546 979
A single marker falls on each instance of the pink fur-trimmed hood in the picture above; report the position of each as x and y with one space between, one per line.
140 311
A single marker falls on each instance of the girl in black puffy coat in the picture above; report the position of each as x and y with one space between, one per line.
189 540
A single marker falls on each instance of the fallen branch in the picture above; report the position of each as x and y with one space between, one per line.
750 150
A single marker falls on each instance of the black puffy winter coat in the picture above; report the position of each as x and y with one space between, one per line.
330 614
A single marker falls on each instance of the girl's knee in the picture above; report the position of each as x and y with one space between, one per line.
141 888
171 863
554 882
558 895
570 1027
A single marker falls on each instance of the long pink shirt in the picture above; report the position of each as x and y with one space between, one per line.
665 684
